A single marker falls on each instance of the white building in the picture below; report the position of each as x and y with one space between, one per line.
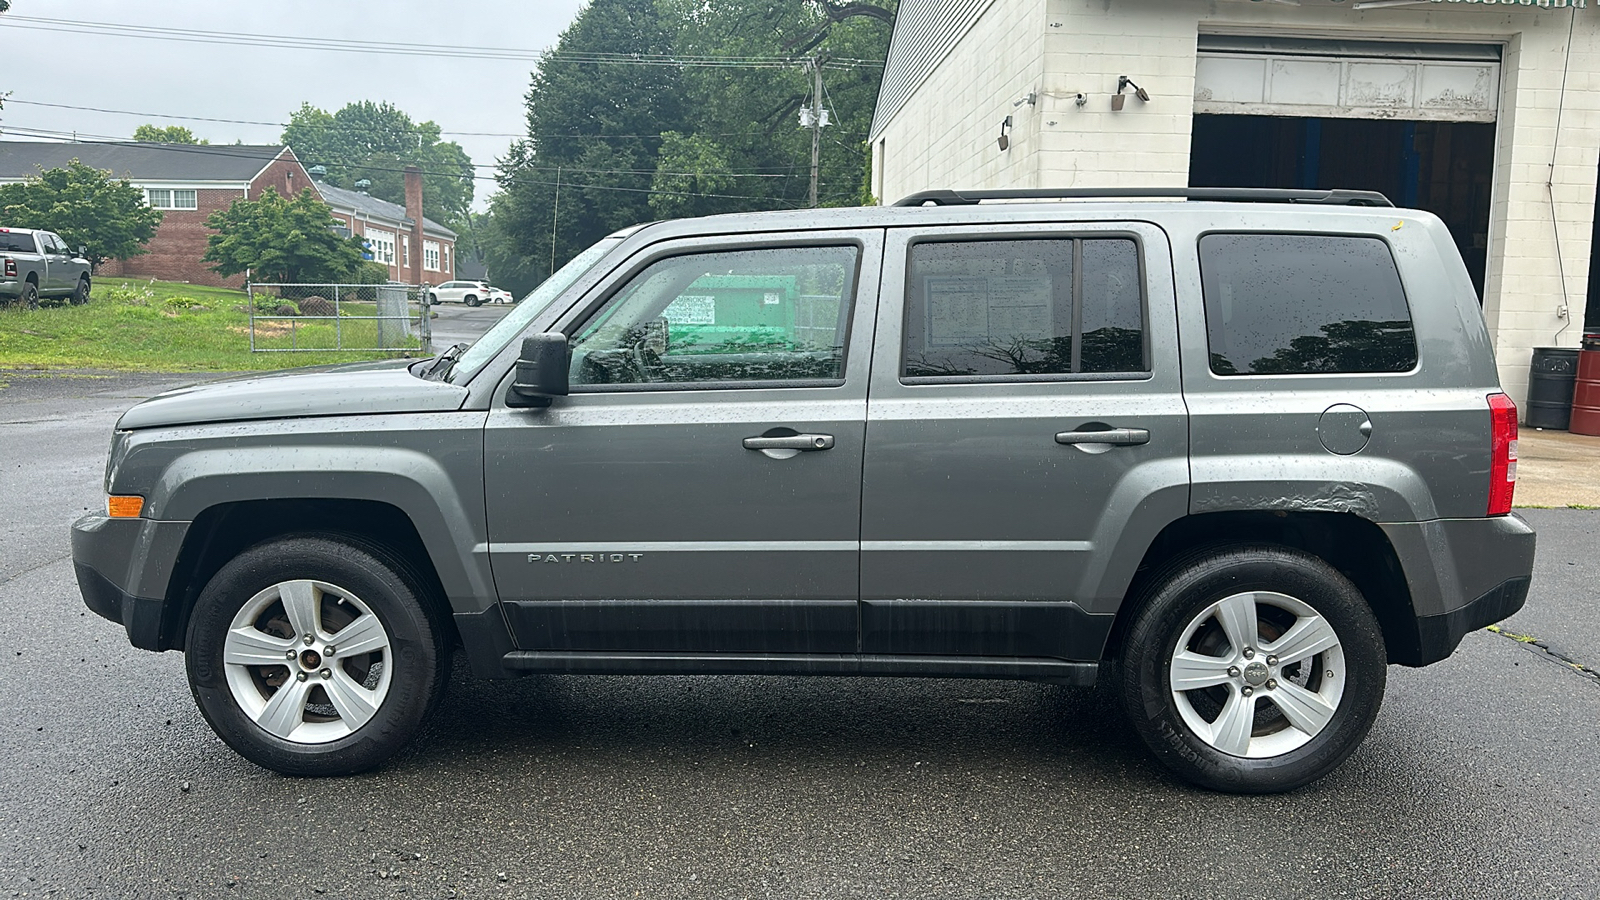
1485 113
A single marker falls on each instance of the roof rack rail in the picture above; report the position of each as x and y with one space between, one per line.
1235 195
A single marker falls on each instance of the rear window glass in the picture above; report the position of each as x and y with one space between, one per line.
16 243
1024 308
1286 304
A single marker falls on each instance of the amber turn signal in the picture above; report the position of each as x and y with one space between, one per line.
124 507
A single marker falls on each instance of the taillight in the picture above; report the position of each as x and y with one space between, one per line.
11 268
1503 453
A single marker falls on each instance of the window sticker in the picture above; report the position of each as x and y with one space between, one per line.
691 309
967 311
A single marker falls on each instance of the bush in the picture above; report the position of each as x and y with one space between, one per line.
126 294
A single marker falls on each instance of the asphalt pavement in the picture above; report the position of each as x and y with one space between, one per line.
1478 781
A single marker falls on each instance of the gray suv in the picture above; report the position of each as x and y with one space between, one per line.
1232 457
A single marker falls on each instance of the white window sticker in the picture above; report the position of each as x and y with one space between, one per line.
963 312
771 298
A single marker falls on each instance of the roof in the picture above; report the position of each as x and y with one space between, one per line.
368 205
141 161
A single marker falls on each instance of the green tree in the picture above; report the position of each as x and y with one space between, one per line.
375 142
168 134
594 134
289 241
630 142
86 207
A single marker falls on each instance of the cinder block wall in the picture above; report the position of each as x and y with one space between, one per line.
944 136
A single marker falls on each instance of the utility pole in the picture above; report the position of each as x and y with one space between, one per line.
555 214
815 118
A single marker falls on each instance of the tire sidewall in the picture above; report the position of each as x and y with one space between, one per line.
1176 602
30 296
414 653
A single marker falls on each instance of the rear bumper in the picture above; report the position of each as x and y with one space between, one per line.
123 568
1463 574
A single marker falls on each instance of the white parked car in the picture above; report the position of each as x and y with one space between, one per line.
472 293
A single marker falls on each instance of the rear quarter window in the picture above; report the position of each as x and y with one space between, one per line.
1293 304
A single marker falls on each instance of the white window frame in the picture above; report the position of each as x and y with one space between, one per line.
405 250
172 198
430 256
381 243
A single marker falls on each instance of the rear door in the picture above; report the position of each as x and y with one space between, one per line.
700 489
1026 428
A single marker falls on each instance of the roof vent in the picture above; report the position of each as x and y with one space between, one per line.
317 172
362 184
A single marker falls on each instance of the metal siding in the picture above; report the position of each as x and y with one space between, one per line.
925 32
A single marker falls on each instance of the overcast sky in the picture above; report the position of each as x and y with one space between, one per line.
266 84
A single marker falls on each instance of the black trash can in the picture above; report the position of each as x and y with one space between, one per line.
1551 377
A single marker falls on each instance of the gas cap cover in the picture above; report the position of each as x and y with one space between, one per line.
1344 429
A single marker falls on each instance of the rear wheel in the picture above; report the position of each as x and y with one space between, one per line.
30 296
1253 669
80 294
315 655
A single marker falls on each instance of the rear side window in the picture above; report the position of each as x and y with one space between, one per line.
16 243
1023 308
1288 304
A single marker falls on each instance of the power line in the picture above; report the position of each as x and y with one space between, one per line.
453 52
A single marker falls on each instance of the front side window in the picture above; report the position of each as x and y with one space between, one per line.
1292 304
767 315
1024 308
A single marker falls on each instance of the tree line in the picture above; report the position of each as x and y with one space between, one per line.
612 143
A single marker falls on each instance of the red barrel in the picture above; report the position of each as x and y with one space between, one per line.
1586 393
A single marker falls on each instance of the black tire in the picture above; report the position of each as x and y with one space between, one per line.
472 300
1185 589
29 298
433 299
80 294
417 652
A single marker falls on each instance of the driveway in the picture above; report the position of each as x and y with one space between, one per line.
1479 780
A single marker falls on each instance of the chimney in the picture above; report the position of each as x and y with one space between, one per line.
414 212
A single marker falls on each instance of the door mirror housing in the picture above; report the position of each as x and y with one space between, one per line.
83 250
541 371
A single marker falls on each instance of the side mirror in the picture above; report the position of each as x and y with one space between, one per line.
83 250
541 371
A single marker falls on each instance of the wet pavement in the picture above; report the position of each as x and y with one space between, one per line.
1479 780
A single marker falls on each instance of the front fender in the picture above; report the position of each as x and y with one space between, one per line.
429 466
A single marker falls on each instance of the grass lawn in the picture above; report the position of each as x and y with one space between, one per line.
167 327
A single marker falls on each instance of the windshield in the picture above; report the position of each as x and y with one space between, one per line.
496 338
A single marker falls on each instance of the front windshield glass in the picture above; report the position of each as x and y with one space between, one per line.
495 339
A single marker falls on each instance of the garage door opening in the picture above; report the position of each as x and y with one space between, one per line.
1445 168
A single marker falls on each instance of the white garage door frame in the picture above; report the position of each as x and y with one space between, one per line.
1237 75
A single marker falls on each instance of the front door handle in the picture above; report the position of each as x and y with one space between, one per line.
1120 437
790 442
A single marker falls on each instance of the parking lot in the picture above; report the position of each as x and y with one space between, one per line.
1479 779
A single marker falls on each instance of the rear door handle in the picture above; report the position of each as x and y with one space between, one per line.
790 442
1120 437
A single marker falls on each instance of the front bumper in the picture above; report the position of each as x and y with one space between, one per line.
1463 574
124 568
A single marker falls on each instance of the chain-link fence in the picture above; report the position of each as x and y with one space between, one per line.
291 317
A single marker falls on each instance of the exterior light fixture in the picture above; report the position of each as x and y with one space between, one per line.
1005 140
1123 83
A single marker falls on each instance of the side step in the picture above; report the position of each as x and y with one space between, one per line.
571 662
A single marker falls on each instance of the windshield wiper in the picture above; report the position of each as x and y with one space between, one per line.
442 363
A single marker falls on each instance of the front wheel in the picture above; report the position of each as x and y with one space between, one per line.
1253 669
315 655
80 294
472 300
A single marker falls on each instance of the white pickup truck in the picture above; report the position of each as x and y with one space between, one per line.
36 264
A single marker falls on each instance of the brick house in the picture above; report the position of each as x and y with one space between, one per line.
415 248
186 182
1485 113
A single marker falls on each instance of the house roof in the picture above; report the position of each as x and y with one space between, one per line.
371 207
141 161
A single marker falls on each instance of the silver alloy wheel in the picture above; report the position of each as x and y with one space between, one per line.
1250 647
307 661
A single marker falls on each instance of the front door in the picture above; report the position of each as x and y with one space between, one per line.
700 489
1026 422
